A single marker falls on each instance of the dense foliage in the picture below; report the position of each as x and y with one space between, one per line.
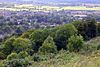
51 43
75 43
62 34
48 46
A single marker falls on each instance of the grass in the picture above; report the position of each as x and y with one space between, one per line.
67 59
61 59
77 61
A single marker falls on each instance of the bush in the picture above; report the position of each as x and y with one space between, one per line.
48 46
75 43
12 56
23 54
40 57
2 56
15 63
36 57
8 46
66 55
21 44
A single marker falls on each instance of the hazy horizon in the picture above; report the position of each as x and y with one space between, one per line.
54 1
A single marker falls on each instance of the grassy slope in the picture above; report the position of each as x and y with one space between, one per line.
73 60
67 59
78 61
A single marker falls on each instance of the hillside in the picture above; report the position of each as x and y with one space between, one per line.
66 59
74 44
52 1
49 33
75 60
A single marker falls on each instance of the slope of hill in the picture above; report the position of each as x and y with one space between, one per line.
74 60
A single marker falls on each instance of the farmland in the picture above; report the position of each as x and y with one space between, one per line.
30 7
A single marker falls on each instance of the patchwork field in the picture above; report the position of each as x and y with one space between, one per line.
48 8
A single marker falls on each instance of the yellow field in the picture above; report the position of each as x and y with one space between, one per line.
31 7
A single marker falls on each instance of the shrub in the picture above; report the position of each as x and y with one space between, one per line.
15 63
66 55
2 56
21 44
41 57
36 57
12 56
23 54
75 43
8 46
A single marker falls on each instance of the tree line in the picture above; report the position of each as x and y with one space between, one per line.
69 37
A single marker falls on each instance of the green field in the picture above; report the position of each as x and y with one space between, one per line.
48 8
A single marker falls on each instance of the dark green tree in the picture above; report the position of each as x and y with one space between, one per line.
62 34
38 37
80 26
87 28
90 27
48 46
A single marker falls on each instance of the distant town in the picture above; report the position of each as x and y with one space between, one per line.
18 18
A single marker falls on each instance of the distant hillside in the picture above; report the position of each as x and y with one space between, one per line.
86 1
52 1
